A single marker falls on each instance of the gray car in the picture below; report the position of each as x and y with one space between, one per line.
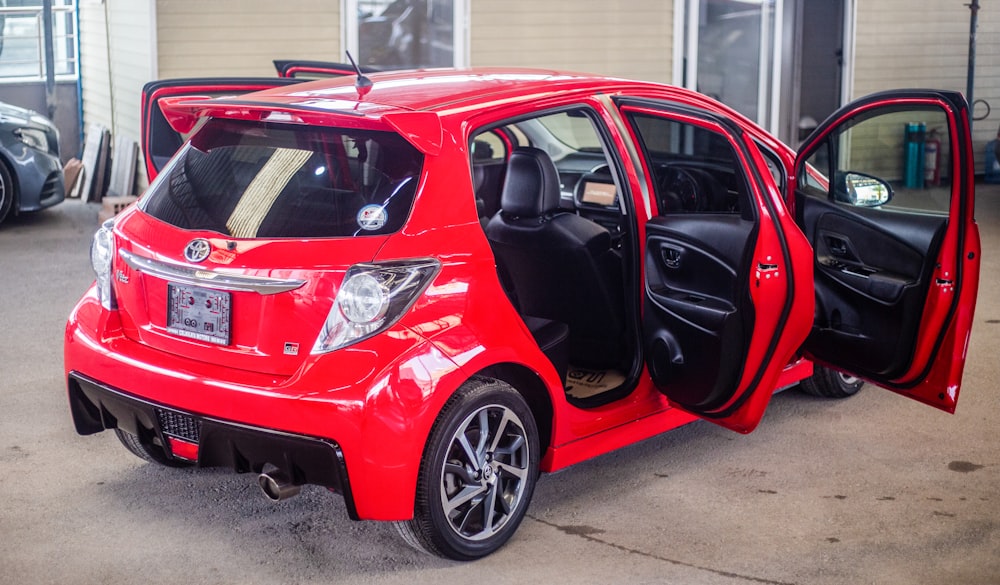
31 174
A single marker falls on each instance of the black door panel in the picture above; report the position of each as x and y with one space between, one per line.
698 316
873 271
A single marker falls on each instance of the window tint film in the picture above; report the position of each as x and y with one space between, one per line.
248 180
695 170
897 160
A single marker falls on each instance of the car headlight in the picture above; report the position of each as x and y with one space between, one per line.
34 138
372 298
101 253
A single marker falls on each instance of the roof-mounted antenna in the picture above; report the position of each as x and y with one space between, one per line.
362 83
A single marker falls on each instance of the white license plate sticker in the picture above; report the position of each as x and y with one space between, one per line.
198 313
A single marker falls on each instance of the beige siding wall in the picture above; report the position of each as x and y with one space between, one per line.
627 38
898 45
115 62
241 37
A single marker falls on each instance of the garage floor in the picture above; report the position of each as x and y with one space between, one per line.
875 489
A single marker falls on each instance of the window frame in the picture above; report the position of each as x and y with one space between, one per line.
65 36
460 41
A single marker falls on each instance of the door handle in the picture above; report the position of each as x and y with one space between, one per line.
838 246
671 256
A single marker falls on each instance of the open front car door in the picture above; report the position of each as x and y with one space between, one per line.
885 195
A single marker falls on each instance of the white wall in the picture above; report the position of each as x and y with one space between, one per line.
116 59
614 37
899 45
197 38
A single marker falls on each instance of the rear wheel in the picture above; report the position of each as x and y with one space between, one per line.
828 383
7 194
477 475
148 451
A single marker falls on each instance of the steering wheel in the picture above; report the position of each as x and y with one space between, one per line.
681 191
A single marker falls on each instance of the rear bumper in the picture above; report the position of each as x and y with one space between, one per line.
375 402
96 407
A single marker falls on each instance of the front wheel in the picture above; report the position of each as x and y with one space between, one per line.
827 383
477 474
7 192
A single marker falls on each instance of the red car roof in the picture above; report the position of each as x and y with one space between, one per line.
412 101
442 89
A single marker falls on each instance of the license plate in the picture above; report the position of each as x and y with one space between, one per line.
198 313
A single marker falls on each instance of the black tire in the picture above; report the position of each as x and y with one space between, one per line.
474 488
827 383
149 452
8 192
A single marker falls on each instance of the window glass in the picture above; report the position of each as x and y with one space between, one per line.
774 166
695 170
572 140
402 34
488 147
901 155
248 180
22 46
575 131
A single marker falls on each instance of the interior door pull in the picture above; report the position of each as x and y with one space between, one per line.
671 256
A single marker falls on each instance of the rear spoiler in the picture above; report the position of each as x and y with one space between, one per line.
421 129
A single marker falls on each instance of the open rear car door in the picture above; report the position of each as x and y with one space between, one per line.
159 140
728 279
885 195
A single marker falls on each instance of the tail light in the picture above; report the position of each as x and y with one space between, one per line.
372 298
102 252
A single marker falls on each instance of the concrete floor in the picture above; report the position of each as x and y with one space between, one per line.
874 489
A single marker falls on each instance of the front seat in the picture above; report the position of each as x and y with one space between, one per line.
557 265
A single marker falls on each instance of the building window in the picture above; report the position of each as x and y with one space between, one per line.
403 34
22 40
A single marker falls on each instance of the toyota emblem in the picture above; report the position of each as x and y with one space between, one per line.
197 250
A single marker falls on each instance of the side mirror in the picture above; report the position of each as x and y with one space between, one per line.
862 190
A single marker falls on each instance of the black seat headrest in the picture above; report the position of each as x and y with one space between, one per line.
531 187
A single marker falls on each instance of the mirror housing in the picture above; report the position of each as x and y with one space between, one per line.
861 190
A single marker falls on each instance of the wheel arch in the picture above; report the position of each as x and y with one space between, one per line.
530 386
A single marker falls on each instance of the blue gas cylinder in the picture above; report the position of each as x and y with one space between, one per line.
913 149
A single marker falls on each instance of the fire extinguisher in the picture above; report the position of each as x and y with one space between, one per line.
932 158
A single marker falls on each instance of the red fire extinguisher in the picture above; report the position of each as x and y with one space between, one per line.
932 158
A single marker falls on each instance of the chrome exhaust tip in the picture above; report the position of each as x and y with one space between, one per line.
277 486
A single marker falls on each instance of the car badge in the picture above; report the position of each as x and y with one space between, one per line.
197 250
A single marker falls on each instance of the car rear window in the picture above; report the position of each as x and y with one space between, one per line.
253 180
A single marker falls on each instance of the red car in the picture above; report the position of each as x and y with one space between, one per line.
420 289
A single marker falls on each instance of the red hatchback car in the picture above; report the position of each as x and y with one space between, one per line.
422 289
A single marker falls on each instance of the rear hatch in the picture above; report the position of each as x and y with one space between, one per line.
236 251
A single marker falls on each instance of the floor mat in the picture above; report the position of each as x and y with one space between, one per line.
586 382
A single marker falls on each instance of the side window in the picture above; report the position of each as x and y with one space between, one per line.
573 142
488 161
695 170
774 167
898 160
488 147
